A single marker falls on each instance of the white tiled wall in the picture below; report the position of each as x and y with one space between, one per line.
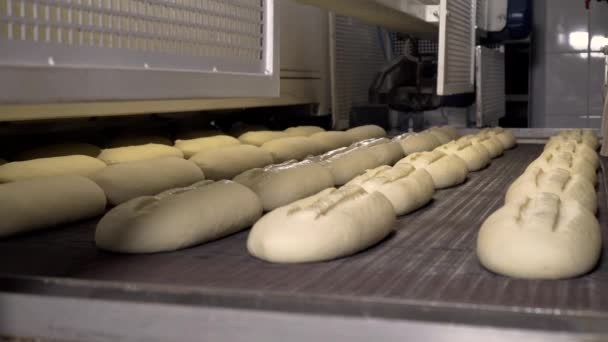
567 76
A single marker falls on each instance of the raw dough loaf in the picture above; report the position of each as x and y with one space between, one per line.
450 131
48 201
46 167
281 184
556 181
125 181
178 218
198 133
259 138
366 132
347 163
329 225
405 187
332 140
540 237
60 150
575 148
139 140
576 164
446 170
585 135
194 146
386 151
228 162
293 148
240 128
440 135
126 154
475 158
418 142
303 131
506 137
491 143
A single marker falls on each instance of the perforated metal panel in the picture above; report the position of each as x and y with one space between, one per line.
490 83
232 41
456 47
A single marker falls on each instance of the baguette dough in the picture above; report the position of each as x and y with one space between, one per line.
576 149
123 182
446 170
60 150
194 146
585 135
332 140
440 135
46 167
491 143
540 237
178 218
576 164
418 142
47 202
228 162
303 131
344 164
329 225
293 148
505 137
450 131
281 184
126 154
139 140
259 138
366 132
556 181
386 151
405 187
475 158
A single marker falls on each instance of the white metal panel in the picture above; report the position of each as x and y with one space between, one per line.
491 15
490 74
456 47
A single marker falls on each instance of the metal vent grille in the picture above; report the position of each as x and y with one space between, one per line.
456 47
490 82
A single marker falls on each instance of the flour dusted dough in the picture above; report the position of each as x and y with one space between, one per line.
259 138
45 167
491 143
281 184
228 162
418 142
540 237
576 148
126 154
194 146
405 187
293 148
48 201
475 158
347 163
386 151
329 225
60 150
556 181
332 140
125 181
139 140
366 132
178 218
576 164
303 131
446 170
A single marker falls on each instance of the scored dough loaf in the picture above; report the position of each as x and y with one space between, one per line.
194 146
446 170
126 154
293 148
139 140
344 164
540 237
475 158
178 218
125 181
47 202
418 142
332 140
491 143
281 184
386 151
59 150
440 135
575 148
46 167
303 131
228 162
332 224
556 181
450 131
259 138
576 164
504 136
405 187
585 135
366 132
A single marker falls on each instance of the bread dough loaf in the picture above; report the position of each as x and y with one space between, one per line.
491 143
228 162
332 140
347 163
440 135
576 148
239 128
556 181
178 218
281 184
126 154
139 140
405 187
125 181
329 225
576 164
198 133
386 151
475 158
60 150
540 237
584 135
293 148
366 132
446 170
47 202
303 131
46 167
259 138
194 146
418 142
450 131
505 137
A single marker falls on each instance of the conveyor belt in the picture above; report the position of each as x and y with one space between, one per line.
428 263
